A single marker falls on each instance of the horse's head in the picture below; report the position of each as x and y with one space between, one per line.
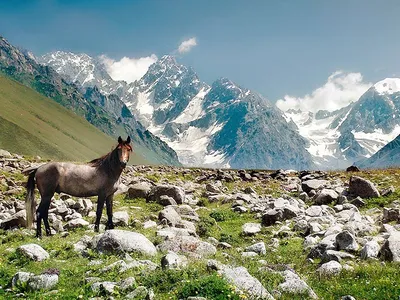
124 150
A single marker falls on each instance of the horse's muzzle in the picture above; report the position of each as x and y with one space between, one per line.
123 164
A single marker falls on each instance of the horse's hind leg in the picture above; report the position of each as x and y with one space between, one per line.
46 216
109 203
42 213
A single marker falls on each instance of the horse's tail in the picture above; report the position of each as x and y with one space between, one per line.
30 203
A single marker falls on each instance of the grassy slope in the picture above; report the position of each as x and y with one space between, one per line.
32 124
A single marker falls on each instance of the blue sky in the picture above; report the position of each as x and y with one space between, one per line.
276 48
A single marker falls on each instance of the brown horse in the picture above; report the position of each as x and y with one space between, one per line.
96 178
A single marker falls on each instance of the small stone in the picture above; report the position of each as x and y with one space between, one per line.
258 248
251 228
330 268
173 261
121 218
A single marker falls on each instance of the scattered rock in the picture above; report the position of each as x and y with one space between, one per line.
76 223
258 248
295 285
43 281
361 187
173 261
391 248
326 196
125 241
189 245
370 250
175 192
34 252
139 190
388 191
121 218
16 220
346 241
242 280
251 228
313 184
170 215
330 268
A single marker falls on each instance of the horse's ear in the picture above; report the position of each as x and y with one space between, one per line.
128 140
119 140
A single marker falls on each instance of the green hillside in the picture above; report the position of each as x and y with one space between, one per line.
32 124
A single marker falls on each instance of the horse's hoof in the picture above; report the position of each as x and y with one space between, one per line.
109 226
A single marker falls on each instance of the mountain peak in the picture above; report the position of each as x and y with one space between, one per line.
168 60
388 86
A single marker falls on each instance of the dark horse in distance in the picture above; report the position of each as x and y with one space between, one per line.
97 178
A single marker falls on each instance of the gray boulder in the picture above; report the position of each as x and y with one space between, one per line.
20 278
391 248
295 285
139 190
16 220
277 214
173 261
346 241
107 287
251 228
141 292
76 223
257 248
170 215
34 252
326 196
125 241
189 245
361 187
169 190
242 280
370 250
121 218
43 281
313 184
330 268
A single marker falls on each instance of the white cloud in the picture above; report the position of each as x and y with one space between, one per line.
187 45
340 90
128 69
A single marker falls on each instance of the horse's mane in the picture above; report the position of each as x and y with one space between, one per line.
101 161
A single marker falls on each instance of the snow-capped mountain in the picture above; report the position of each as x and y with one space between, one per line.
222 125
219 125
339 138
225 125
84 70
388 156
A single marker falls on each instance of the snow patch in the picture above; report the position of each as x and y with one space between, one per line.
194 110
388 86
374 141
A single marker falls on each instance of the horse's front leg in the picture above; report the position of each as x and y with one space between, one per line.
109 204
100 205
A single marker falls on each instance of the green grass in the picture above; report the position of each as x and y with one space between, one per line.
31 124
369 280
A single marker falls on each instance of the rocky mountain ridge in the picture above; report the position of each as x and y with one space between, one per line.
206 125
221 125
23 67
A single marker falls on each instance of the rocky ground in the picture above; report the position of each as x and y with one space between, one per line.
209 234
